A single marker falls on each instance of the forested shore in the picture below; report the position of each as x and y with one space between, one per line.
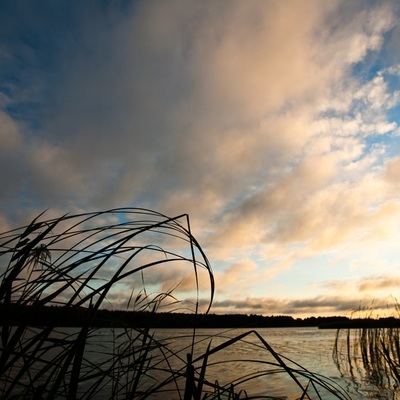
14 314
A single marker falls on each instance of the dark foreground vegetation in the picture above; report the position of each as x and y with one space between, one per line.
64 271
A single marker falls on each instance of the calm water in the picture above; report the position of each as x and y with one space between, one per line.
310 348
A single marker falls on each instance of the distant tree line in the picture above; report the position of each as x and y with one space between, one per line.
15 315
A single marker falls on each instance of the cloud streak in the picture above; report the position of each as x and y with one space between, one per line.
327 306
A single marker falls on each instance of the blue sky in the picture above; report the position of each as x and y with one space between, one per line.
274 125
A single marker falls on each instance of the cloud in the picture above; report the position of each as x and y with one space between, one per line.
228 74
240 277
269 123
392 170
379 283
327 306
13 168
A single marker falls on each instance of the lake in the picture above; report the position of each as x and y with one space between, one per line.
310 348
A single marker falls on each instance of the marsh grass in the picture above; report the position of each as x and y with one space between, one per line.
87 262
371 355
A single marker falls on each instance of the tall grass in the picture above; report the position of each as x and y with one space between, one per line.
371 355
90 261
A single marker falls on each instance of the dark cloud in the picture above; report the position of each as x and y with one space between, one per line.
377 283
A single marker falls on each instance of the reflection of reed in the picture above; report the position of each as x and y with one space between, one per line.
375 352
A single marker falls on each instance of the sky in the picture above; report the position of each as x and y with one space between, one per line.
273 124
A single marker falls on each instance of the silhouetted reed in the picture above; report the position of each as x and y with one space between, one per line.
370 352
85 262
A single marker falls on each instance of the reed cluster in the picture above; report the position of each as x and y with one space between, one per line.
90 260
373 353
